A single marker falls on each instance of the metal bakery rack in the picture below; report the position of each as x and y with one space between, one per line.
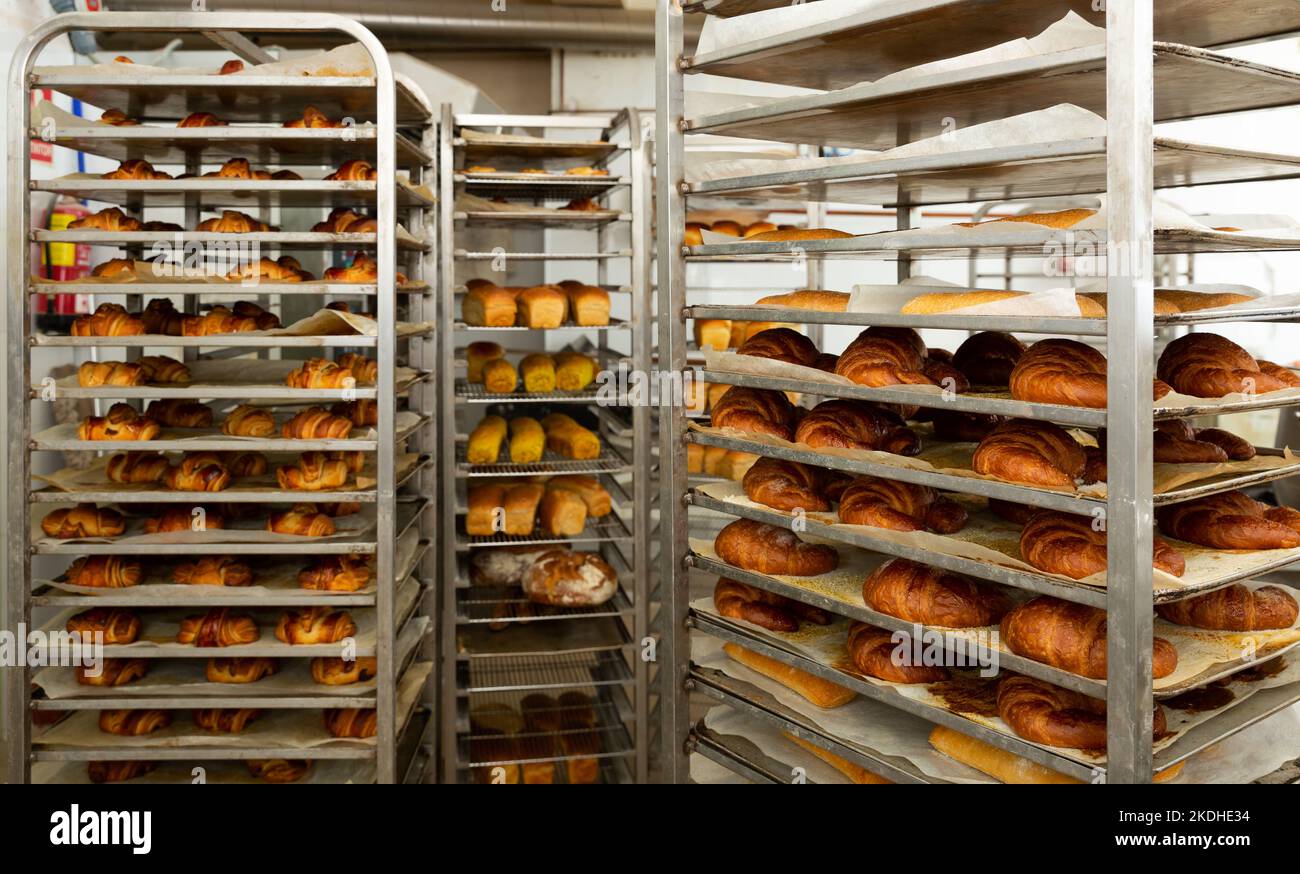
503 188
1174 60
392 129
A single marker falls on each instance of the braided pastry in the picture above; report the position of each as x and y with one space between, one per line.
135 169
314 423
199 472
852 424
83 520
217 320
228 720
117 118
1071 637
114 672
218 627
180 413
345 221
352 722
284 269
162 370
313 118
279 770
339 672
201 119
108 320
92 374
183 518
213 570
1211 366
1231 520
247 420
104 572
133 723
313 472
320 373
245 464
1047 714
265 319
161 317
874 652
899 506
117 772
362 413
233 222
362 269
780 344
239 670
1235 608
315 625
766 549
111 219
118 626
123 422
364 370
303 521
765 609
1066 372
786 485
336 573
1066 544
1177 442
916 592
1031 452
885 356
757 411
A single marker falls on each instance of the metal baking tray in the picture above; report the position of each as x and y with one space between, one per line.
1189 83
518 186
467 255
267 239
543 152
542 218
1072 167
241 194
614 325
244 98
607 528
490 605
474 393
610 460
867 45
519 673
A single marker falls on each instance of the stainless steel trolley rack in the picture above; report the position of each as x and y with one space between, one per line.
393 130
1127 164
491 650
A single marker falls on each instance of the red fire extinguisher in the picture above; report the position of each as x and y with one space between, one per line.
63 261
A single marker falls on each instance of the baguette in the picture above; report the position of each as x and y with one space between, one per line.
943 302
809 299
822 693
856 773
796 234
1007 767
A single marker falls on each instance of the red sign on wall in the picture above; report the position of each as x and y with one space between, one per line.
41 150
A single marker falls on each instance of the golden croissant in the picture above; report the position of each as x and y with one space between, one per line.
111 219
183 518
108 320
118 626
233 222
135 169
199 472
218 627
246 420
336 573
355 170
83 520
364 370
279 770
162 370
315 625
314 472
105 572
239 670
214 570
92 374
122 422
303 521
137 467
315 423
131 723
114 672
352 722
313 118
320 373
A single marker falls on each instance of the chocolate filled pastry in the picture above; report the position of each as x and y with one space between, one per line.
767 549
336 573
1031 452
916 592
899 506
1234 608
199 472
765 609
1071 637
279 770
340 672
133 723
239 670
122 422
118 626
1070 545
780 344
987 358
352 722
1231 520
113 672
185 518
875 652
117 771
757 411
1047 714
179 413
105 572
225 720
852 424
218 627
786 485
1211 366
213 570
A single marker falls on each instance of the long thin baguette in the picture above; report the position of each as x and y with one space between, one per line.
809 299
797 234
1006 766
943 302
856 773
821 692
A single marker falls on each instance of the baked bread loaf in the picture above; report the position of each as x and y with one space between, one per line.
302 520
313 472
1071 637
214 570
341 672
1003 766
822 693
588 305
122 422
562 513
280 770
885 356
987 358
567 438
1031 452
218 627
336 573
757 411
527 440
104 572
487 306
352 722
1047 714
82 521
1231 520
92 374
853 424
108 320
762 608
199 472
574 371
1234 608
563 578
119 627
233 222
542 306
179 413
786 485
477 355
899 506
780 344
593 494
538 372
113 672
1066 544
314 625
484 446
767 549
794 234
808 299
927 595
499 377
239 670
712 333
875 652
1067 372
133 723
1212 366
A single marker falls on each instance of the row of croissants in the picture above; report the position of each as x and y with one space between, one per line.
222 626
237 670
327 573
92 521
266 770
125 422
340 221
347 722
285 269
311 116
1052 371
